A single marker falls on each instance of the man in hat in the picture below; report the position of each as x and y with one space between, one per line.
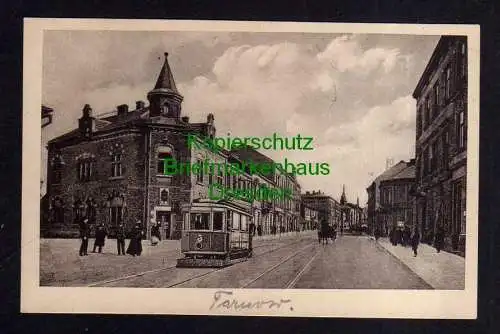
120 239
84 235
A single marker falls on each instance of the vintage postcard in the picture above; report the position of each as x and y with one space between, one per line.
250 168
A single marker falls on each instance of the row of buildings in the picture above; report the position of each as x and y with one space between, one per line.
111 170
429 191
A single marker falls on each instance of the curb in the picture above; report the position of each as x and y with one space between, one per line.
405 265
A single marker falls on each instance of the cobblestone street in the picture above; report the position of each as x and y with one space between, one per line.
286 261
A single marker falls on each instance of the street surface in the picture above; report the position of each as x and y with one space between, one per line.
293 261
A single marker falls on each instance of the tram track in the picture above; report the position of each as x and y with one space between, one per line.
293 281
173 267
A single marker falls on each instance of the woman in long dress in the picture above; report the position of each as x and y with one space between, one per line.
135 245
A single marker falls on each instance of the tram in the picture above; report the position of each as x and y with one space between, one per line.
215 234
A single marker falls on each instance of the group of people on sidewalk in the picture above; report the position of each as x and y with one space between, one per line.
405 238
134 247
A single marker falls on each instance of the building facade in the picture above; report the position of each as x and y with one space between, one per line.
327 207
441 143
395 197
390 200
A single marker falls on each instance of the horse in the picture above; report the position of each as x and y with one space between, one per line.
326 231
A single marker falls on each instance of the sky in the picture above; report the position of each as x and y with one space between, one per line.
351 93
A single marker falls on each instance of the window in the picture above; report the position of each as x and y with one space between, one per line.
236 221
85 170
419 122
162 155
116 165
200 221
220 177
199 175
116 205
244 226
436 95
164 109
91 210
427 118
210 178
444 140
426 162
461 130
463 59
218 221
116 216
164 196
447 88
432 158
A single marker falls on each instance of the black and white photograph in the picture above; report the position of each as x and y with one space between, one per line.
250 168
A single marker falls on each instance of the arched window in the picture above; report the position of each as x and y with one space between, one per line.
164 196
86 167
164 108
79 210
164 152
116 206
116 165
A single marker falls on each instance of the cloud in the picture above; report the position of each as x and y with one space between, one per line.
352 98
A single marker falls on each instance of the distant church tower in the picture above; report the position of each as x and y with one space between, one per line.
164 99
343 199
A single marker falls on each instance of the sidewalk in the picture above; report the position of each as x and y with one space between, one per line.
443 271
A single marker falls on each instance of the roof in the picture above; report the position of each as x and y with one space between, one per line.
166 80
401 170
441 46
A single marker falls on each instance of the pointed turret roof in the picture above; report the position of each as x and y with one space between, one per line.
166 78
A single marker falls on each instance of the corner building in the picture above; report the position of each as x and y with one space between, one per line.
441 144
110 169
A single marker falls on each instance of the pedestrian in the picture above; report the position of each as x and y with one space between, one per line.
155 234
120 239
135 245
259 230
100 237
377 233
439 238
84 235
415 240
252 228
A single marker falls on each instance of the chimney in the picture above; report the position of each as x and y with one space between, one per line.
139 105
122 109
185 119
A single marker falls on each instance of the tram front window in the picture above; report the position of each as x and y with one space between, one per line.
218 222
200 221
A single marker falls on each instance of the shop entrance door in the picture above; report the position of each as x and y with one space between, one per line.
163 217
